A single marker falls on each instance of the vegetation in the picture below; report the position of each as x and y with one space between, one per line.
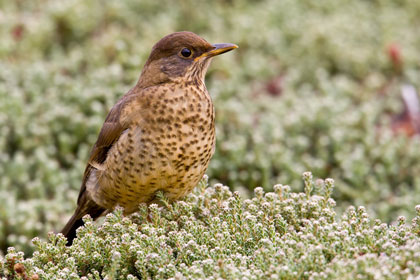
315 85
215 234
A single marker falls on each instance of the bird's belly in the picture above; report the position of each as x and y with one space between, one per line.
169 160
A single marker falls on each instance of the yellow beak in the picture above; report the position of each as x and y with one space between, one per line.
218 49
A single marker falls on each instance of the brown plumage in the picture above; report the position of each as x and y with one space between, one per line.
158 137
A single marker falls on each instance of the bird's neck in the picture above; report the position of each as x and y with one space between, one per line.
155 74
151 76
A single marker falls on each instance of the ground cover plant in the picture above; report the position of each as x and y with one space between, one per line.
216 234
314 86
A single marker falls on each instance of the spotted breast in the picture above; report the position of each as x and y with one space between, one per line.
170 143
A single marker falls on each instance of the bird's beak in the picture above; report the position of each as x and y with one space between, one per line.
218 49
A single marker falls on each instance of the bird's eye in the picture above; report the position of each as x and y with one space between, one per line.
185 52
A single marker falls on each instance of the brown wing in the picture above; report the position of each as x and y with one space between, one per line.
109 134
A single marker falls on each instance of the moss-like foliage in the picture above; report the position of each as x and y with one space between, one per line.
215 234
314 85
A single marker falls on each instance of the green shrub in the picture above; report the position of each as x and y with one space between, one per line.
311 88
215 234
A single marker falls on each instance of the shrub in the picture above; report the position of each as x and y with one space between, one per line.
312 87
214 234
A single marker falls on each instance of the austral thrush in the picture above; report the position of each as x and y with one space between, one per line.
158 137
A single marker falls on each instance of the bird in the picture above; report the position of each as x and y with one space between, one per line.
159 136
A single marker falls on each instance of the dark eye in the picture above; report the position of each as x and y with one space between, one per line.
185 52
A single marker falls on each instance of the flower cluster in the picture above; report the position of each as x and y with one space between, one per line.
215 234
315 85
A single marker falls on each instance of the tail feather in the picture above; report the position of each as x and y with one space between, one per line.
86 206
69 229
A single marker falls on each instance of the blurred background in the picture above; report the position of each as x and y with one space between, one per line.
315 86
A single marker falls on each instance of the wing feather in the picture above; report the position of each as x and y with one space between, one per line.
108 136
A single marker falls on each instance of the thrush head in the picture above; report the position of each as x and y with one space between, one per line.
180 56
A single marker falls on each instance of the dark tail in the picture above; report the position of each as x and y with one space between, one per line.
86 206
